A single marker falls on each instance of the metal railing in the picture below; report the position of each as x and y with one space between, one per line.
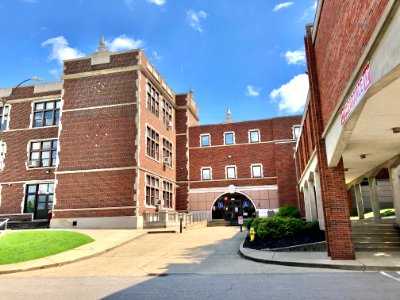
3 224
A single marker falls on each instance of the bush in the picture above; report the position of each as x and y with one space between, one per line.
276 227
388 213
312 224
288 211
248 222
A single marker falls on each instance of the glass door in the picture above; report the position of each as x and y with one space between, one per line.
39 199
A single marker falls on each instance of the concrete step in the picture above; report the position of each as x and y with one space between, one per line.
376 249
214 223
375 239
16 225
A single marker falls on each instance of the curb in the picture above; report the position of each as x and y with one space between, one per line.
316 265
57 264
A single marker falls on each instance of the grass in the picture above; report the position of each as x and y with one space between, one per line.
28 245
384 213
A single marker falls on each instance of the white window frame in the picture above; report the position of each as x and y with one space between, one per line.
209 139
8 117
233 135
259 136
201 173
226 171
159 138
28 153
294 131
261 171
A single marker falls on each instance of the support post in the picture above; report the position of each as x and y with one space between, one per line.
395 181
374 198
359 201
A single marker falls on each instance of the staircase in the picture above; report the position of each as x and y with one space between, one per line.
376 236
220 222
15 225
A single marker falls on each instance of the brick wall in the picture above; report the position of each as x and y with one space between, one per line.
276 157
344 30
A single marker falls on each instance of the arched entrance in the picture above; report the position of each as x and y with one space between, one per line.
229 206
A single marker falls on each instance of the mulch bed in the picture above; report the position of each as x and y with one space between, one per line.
310 235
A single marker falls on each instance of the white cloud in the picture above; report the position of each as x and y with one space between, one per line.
297 57
310 11
292 95
122 43
195 19
157 56
252 91
129 3
60 50
157 2
282 5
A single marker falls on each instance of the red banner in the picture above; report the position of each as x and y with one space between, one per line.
363 84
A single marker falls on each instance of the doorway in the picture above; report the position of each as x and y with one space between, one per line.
230 206
39 199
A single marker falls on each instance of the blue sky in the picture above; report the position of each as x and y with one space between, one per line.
245 54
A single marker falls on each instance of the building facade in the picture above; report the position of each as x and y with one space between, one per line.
112 141
349 133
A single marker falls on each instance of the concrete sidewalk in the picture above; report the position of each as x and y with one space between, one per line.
365 261
105 240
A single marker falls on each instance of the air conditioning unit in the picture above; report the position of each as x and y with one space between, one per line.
3 148
167 161
33 164
169 124
160 202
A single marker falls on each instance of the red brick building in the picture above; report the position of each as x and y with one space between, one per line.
112 141
351 120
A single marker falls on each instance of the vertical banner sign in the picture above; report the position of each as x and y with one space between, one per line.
363 84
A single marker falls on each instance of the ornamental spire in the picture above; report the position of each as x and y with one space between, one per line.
228 116
102 45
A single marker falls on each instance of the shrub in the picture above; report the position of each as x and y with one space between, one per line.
276 227
312 224
288 211
388 213
248 222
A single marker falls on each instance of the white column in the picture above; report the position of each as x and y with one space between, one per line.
359 201
374 198
313 207
307 203
395 180
318 195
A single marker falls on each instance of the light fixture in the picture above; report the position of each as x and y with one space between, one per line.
35 78
396 129
362 156
346 169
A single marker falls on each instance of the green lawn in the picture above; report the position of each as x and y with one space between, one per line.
384 213
27 245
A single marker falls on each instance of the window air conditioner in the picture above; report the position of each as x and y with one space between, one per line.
160 202
33 164
167 161
169 125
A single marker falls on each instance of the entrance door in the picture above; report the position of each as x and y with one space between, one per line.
230 206
39 199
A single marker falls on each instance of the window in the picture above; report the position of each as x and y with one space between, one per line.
167 152
205 140
205 173
256 170
167 193
4 117
167 113
39 199
43 154
46 113
229 138
152 143
152 190
3 150
254 136
230 172
296 131
153 102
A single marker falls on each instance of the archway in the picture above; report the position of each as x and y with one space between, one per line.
230 206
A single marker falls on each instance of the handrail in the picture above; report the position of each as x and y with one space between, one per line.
4 223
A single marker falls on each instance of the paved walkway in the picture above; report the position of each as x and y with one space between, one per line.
193 248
